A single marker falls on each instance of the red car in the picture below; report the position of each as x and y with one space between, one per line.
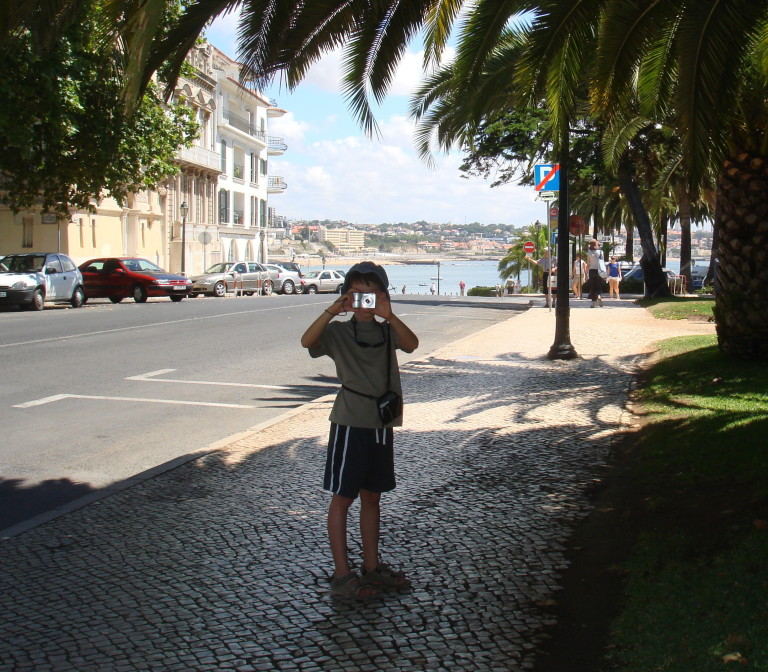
116 278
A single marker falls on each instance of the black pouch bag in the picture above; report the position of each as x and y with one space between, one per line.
390 407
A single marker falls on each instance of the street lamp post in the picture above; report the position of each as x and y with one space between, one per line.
597 191
184 209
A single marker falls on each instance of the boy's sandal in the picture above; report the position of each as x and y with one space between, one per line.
351 587
385 577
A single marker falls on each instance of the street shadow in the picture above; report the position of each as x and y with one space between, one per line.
20 502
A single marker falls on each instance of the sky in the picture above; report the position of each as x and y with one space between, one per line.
335 172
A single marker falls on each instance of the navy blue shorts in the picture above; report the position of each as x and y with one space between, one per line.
359 459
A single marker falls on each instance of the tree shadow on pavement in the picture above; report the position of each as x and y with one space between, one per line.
225 560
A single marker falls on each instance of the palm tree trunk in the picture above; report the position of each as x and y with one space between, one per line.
741 301
685 238
655 280
710 277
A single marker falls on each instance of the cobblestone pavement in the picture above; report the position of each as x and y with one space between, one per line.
222 563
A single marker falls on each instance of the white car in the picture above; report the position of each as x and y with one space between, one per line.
322 281
283 280
32 280
248 277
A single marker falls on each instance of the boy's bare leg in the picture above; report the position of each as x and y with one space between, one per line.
337 533
370 517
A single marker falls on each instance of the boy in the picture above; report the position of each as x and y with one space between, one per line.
360 449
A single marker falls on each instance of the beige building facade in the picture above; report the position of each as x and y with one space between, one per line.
214 209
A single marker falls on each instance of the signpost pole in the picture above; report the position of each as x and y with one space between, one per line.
562 347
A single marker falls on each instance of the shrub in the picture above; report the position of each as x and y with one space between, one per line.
482 291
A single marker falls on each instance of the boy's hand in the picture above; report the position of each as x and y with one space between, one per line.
383 306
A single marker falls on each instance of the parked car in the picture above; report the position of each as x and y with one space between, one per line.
322 281
248 277
34 279
116 278
636 273
284 281
289 266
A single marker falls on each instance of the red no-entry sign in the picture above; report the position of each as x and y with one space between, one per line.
529 247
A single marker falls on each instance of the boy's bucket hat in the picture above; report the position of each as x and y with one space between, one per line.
363 268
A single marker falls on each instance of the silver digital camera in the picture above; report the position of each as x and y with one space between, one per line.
363 300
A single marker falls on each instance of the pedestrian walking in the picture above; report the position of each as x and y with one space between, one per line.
578 275
597 272
404 288
614 278
360 457
462 286
548 264
432 288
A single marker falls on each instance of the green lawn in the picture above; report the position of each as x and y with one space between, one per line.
697 580
679 308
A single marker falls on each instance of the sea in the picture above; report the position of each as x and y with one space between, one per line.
417 278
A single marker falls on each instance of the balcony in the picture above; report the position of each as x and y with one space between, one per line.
244 125
199 156
276 146
276 185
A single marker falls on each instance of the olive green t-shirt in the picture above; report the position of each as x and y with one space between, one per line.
360 368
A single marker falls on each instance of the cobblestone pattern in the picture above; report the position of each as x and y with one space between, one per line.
222 564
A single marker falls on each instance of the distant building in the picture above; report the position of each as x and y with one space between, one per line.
344 240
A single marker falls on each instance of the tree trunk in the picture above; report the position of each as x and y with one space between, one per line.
685 238
741 300
709 280
629 244
655 280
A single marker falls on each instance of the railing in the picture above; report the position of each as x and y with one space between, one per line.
276 184
276 145
677 284
201 157
244 125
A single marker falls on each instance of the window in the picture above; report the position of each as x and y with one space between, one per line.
66 263
223 206
254 167
224 157
26 232
52 261
263 163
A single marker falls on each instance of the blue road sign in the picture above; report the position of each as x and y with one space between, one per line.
546 177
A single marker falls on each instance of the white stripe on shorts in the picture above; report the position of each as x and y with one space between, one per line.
343 457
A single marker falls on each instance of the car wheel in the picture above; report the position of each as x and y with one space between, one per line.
177 297
266 288
78 297
38 300
139 294
219 289
115 299
249 293
311 289
288 287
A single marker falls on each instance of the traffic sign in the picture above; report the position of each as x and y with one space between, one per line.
553 212
548 195
529 247
546 177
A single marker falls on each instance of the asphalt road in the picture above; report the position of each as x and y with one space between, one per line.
92 397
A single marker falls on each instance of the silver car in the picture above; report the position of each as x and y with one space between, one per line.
322 281
246 277
32 280
283 280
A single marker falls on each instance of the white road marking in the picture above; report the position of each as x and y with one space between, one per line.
154 324
60 397
151 378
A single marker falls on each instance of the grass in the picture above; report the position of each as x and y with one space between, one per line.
697 579
680 308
